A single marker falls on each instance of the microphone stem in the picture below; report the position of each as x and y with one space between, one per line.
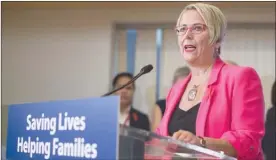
131 81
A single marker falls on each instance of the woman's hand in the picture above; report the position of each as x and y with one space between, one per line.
187 137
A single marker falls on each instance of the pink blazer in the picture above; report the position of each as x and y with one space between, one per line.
231 109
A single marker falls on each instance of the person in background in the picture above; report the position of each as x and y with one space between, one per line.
231 62
128 115
218 106
270 128
160 106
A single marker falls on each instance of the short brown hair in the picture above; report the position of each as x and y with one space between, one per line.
120 75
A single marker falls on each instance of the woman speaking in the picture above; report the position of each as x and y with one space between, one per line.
218 106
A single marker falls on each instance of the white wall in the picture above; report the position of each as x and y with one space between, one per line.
145 54
50 54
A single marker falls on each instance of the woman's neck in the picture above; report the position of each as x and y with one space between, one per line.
199 71
124 109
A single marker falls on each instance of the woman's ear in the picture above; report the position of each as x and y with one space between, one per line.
217 49
217 44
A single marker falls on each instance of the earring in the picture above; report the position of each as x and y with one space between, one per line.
216 53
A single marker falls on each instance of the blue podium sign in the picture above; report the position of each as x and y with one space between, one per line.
71 129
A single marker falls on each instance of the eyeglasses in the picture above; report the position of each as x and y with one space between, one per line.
195 29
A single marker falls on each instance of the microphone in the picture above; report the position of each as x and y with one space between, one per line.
146 69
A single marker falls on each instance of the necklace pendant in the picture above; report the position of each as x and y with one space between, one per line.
192 94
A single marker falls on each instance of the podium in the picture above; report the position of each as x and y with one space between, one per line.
88 129
137 144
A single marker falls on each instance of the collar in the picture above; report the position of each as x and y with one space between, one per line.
127 110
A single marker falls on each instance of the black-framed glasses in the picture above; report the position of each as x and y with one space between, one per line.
195 29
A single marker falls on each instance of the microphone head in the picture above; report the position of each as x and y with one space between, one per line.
146 69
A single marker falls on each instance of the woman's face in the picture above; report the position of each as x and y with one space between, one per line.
193 38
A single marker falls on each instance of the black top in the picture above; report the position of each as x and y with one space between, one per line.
269 137
183 120
162 105
139 120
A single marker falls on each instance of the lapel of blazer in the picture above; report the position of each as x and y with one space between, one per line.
131 121
207 98
174 98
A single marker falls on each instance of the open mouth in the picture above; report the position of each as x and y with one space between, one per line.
189 48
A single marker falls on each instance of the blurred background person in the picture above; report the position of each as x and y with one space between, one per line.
231 62
160 106
128 115
218 106
270 128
